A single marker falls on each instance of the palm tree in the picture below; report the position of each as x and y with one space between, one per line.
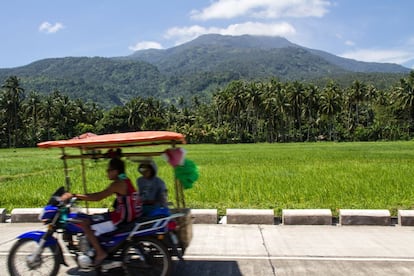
236 103
356 95
13 98
310 108
220 107
135 109
254 105
404 97
3 118
284 107
115 120
296 94
33 109
154 108
48 111
65 111
171 115
154 114
276 108
330 105
270 109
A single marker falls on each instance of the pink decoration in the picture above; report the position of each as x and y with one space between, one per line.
175 156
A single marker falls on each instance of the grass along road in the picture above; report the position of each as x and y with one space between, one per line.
372 175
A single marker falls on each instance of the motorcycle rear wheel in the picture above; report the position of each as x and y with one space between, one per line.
147 256
19 261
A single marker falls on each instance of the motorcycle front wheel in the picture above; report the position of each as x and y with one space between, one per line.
22 262
147 256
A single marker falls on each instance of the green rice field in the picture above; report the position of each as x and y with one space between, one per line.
374 175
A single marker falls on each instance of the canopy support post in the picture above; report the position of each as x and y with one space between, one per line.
179 194
66 170
84 180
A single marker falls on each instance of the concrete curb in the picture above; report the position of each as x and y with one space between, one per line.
205 216
258 216
306 217
25 215
3 215
406 217
364 217
32 214
250 216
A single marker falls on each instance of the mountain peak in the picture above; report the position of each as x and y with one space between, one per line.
243 41
212 51
197 67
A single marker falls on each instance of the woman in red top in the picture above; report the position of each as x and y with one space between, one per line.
128 206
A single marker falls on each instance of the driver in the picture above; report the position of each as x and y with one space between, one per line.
128 206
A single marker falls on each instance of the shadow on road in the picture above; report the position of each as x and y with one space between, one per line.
204 268
181 268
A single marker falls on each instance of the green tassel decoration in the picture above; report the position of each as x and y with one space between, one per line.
187 173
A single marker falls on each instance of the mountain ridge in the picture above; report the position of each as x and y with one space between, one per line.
266 43
196 68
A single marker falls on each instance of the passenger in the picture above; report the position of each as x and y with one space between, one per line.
127 205
152 189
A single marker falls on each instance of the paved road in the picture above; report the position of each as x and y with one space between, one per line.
279 250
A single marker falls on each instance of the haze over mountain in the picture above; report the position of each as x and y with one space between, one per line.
196 68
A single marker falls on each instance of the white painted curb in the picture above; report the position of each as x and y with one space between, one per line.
364 217
250 216
255 216
206 216
306 217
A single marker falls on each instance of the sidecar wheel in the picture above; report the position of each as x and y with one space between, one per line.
147 256
20 262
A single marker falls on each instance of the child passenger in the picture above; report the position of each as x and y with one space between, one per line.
151 188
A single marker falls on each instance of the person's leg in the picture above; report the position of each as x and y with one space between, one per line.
90 235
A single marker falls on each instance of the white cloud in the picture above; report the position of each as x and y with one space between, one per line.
185 34
226 9
380 55
145 45
46 27
349 43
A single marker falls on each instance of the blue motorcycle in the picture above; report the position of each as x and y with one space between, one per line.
143 247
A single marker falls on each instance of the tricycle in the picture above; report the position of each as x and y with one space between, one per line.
142 247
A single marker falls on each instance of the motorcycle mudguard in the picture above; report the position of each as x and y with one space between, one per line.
36 236
51 241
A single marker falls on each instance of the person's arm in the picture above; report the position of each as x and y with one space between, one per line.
115 187
94 196
162 193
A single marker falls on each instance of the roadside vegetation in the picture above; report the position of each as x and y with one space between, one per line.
357 175
248 142
241 112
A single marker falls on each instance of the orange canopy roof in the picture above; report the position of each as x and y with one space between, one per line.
118 140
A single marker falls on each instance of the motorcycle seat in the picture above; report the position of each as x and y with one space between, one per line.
127 227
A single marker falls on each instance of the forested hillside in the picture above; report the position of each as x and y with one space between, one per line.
275 56
240 112
215 89
105 81
197 68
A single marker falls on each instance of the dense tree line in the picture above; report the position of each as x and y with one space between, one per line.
241 112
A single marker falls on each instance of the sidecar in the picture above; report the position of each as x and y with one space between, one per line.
133 145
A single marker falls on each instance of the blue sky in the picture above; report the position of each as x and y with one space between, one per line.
367 30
